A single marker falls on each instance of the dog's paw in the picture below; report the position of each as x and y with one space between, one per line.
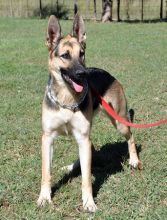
45 196
72 166
135 163
89 205
68 168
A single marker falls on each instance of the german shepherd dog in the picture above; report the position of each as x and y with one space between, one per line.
69 104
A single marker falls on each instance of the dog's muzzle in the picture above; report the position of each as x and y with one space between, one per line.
75 76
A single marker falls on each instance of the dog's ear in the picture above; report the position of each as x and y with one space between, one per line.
79 29
53 32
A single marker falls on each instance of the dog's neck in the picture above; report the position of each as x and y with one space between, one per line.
63 96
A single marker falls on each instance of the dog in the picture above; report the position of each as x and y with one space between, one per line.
69 105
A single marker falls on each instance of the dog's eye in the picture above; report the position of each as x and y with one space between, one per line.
82 53
66 56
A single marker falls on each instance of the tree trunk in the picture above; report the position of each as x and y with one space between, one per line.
107 10
95 12
11 8
20 9
118 10
161 9
57 7
75 7
142 10
52 4
127 10
166 9
40 9
27 14
87 8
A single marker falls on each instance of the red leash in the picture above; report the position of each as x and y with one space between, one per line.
111 112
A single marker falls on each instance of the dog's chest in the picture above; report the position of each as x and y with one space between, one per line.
59 121
65 122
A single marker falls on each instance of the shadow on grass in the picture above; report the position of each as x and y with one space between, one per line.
105 162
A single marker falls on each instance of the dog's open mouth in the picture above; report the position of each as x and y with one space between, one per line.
75 85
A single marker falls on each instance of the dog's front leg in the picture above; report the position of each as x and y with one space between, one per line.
85 154
47 148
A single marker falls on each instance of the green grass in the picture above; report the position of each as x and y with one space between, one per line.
136 55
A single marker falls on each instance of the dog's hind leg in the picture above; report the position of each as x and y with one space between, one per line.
126 132
133 157
47 151
116 98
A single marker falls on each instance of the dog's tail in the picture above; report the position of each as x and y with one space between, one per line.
131 115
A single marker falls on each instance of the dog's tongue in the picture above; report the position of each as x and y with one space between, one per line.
77 87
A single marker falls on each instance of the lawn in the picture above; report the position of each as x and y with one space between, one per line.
136 54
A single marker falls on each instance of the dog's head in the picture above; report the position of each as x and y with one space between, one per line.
67 54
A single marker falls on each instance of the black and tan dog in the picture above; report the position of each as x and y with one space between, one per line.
69 104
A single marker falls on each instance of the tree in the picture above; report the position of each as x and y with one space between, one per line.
87 8
57 6
118 10
107 10
127 10
95 14
40 8
75 7
27 9
166 9
11 8
161 9
142 9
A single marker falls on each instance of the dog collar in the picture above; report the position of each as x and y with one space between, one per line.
72 107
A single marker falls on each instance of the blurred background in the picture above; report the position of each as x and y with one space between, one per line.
100 10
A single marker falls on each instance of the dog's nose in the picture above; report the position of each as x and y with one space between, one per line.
81 73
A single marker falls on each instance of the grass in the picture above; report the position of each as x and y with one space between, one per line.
136 55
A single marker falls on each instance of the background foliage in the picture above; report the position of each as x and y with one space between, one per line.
26 8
